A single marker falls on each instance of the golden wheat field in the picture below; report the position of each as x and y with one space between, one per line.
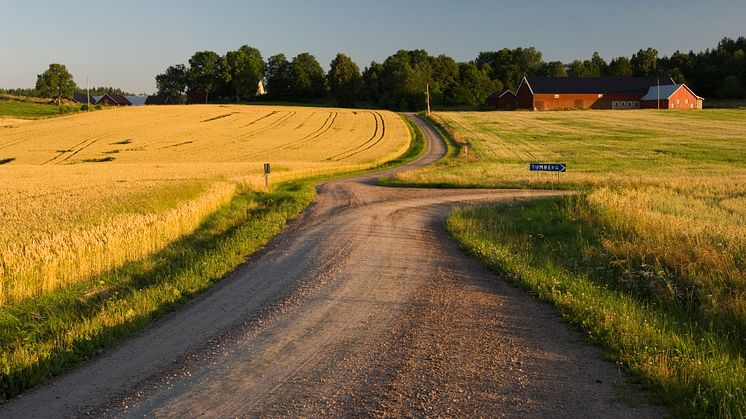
89 192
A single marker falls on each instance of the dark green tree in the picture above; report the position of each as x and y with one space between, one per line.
205 72
173 82
279 74
373 82
474 84
445 79
244 68
554 69
645 62
600 64
620 67
55 83
344 80
307 77
585 68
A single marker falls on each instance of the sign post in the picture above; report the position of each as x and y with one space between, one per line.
266 175
547 167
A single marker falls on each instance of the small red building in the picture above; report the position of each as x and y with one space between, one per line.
550 93
672 96
505 101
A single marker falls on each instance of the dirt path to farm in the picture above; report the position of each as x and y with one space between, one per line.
364 307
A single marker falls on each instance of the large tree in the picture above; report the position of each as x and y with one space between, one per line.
56 83
620 67
205 68
307 77
344 80
279 76
553 69
173 82
373 82
645 62
244 69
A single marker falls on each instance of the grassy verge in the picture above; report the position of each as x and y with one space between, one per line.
32 110
47 335
649 259
555 249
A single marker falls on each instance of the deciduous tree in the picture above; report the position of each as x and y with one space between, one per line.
55 83
279 76
344 80
173 82
307 77
205 72
244 69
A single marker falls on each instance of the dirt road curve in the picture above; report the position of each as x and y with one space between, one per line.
363 307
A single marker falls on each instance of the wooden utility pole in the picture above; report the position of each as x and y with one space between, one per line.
88 94
427 91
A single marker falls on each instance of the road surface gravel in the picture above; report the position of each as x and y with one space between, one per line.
362 307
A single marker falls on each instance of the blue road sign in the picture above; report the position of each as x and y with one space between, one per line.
547 167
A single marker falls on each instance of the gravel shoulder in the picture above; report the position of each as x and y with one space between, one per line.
363 307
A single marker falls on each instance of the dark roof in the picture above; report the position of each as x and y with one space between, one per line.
118 99
500 93
158 100
593 85
136 100
82 98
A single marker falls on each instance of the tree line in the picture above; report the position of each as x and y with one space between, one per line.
400 81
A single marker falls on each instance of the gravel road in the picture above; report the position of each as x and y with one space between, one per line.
363 307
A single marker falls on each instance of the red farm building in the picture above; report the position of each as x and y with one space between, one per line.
551 93
671 96
504 100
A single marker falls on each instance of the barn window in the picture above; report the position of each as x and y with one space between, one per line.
556 96
672 105
600 95
678 101
686 101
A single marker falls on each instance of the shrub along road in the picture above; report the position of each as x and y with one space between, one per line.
364 306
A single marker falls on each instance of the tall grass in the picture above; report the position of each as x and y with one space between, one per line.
64 257
559 249
650 258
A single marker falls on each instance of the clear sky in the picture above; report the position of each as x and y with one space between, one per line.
125 43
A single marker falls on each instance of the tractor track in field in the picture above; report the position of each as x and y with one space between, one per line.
362 307
375 138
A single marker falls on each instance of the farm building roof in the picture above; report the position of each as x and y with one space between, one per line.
158 100
136 100
665 91
500 93
593 85
95 98
82 98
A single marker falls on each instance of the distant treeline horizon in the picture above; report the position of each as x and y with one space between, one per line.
400 81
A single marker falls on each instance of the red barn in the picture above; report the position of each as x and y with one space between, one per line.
548 93
672 96
505 101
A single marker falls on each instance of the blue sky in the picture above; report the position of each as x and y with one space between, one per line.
129 42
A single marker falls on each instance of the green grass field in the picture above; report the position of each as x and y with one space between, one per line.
649 258
33 110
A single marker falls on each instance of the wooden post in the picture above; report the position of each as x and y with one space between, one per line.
266 175
427 91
